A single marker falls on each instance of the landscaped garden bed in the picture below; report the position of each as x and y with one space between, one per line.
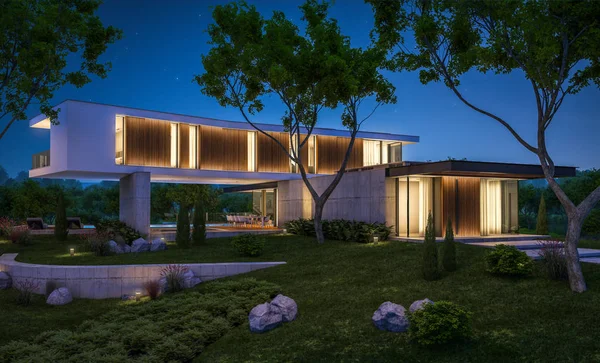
339 285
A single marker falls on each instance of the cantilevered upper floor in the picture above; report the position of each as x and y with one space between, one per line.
98 141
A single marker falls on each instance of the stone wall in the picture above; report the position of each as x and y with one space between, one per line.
365 195
113 281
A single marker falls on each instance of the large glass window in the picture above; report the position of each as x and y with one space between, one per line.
499 206
294 151
174 145
120 140
417 197
193 147
394 154
251 150
371 152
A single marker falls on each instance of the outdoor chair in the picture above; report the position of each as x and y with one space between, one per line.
36 223
74 223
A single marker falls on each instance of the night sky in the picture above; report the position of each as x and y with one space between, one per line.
155 62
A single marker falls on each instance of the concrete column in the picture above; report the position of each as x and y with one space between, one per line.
134 201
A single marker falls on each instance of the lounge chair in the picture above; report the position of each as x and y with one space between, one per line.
36 223
74 223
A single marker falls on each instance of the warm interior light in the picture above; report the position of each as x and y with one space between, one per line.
251 151
193 146
174 145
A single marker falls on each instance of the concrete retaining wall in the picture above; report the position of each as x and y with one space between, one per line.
365 195
113 281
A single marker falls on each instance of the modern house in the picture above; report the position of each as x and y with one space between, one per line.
137 147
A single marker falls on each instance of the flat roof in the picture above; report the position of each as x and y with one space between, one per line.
39 121
479 169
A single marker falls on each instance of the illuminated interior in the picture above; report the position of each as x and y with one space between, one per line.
119 140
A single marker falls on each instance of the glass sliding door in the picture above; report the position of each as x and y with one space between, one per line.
499 206
417 198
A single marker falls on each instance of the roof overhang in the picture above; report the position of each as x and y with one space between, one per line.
478 169
250 187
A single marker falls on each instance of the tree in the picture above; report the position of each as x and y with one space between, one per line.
449 249
430 267
182 236
554 45
253 58
60 223
541 227
36 40
199 233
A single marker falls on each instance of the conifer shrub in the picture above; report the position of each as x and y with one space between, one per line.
449 249
182 238
199 232
430 267
541 227
60 224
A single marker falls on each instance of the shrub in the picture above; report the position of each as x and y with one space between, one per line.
6 226
182 237
541 227
97 243
430 267
174 277
341 230
26 290
439 323
114 228
449 249
509 261
20 235
51 285
591 225
199 233
152 288
60 224
553 259
249 244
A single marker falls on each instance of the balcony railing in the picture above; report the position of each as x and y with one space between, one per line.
40 160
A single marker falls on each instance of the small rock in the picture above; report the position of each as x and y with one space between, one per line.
190 279
125 248
288 307
158 245
113 246
264 317
140 245
60 296
126 297
5 280
419 304
391 317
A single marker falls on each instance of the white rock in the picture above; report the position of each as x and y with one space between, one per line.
60 296
140 245
391 317
113 246
5 280
264 317
158 245
288 307
190 279
419 304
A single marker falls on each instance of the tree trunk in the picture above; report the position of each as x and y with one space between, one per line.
317 221
576 280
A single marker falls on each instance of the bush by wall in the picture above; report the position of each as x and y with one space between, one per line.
176 328
114 228
97 243
430 266
508 261
341 230
449 249
250 245
439 323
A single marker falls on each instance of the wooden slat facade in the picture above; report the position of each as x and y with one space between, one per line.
270 157
461 203
184 146
147 142
331 151
223 149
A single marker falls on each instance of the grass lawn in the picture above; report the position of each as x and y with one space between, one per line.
46 250
338 286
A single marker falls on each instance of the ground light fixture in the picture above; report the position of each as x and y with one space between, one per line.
138 295
375 239
72 252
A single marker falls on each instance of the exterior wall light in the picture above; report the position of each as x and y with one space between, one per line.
72 252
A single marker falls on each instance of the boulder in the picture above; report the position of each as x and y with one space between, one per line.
125 248
264 317
158 245
391 317
5 280
288 307
113 246
419 304
190 279
60 296
140 245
